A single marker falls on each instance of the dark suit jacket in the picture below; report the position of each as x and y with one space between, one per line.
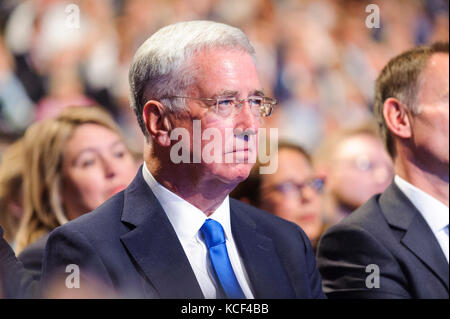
15 280
129 244
31 257
390 232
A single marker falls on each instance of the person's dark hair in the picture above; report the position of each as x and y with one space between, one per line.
400 79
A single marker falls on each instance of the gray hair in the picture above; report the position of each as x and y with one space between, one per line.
160 67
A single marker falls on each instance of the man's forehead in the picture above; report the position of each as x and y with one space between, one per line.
222 72
435 76
210 57
437 63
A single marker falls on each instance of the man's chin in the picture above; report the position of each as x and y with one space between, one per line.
234 175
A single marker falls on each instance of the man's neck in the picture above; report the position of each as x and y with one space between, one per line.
206 195
432 184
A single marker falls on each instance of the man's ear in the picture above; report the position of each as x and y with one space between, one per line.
396 118
157 122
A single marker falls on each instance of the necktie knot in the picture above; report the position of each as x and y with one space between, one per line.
213 233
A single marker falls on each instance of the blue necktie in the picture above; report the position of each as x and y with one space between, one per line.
215 241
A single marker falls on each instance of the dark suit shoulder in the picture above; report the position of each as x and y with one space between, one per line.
369 216
278 229
267 222
262 217
33 250
102 222
289 241
362 243
31 257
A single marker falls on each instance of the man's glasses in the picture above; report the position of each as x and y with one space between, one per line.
227 106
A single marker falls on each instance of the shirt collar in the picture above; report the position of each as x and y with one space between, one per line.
433 211
185 218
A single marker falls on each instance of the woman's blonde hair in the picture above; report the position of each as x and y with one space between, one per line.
11 187
42 177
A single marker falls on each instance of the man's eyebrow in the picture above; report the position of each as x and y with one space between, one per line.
233 93
227 93
257 93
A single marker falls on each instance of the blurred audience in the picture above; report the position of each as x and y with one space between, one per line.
356 166
74 163
11 167
396 245
317 57
16 108
293 192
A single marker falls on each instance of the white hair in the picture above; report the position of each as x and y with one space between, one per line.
160 67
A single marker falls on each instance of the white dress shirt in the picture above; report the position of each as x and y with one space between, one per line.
433 211
187 220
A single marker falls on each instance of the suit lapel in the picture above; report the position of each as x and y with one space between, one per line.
418 237
154 245
422 242
266 273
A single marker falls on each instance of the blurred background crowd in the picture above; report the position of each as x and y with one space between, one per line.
318 58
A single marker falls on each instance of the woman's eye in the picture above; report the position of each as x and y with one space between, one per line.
87 163
119 154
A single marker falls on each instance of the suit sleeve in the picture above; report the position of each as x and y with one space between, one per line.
15 280
71 265
313 272
31 258
355 265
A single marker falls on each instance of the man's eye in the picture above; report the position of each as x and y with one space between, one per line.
225 102
255 101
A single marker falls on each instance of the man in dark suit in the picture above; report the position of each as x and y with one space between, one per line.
397 244
174 232
15 280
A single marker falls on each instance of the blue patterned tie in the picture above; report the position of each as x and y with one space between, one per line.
215 241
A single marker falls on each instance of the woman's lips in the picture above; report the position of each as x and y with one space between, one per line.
308 218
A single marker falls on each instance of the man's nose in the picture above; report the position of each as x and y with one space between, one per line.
246 120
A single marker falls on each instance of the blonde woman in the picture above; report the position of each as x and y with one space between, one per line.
73 163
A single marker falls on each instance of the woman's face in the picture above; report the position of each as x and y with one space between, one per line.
361 168
96 165
282 193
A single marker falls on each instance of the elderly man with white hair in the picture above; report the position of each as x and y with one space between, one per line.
174 232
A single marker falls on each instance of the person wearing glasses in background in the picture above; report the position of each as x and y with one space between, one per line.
356 166
396 245
293 192
174 232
